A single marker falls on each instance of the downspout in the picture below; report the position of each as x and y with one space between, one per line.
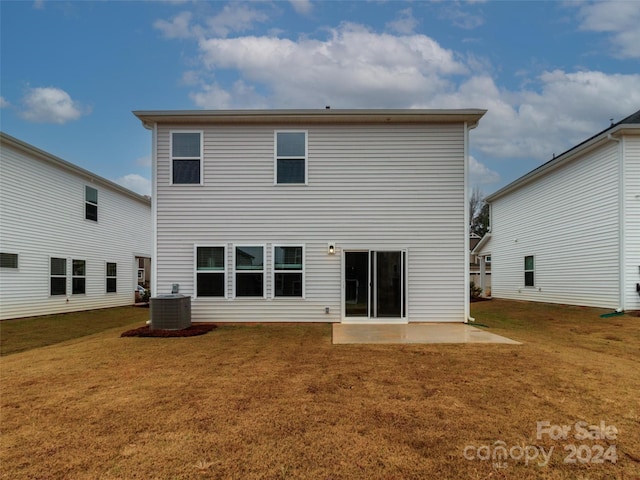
467 308
621 257
154 207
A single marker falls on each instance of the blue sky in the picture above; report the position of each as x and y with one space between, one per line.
550 74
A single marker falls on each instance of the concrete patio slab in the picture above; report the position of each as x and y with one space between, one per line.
348 333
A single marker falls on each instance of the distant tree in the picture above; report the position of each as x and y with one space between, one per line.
480 224
478 213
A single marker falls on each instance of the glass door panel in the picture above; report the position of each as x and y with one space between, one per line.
356 284
388 284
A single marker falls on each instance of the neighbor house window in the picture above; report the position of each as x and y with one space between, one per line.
78 277
487 259
291 157
90 203
112 277
8 260
249 274
58 276
288 271
528 271
210 271
186 157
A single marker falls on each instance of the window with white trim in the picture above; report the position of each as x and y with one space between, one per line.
291 157
288 271
112 277
90 203
8 260
529 271
249 271
78 277
210 271
58 274
186 158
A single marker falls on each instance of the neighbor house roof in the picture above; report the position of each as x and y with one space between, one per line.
624 126
323 116
28 149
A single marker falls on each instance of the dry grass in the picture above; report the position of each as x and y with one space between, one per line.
280 402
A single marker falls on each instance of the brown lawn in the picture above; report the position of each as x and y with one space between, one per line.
280 402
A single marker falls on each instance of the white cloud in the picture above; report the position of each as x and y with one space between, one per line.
619 18
233 17
4 102
352 67
178 27
135 182
303 7
461 16
480 174
404 23
50 105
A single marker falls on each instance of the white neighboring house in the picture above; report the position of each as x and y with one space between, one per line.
313 215
569 231
69 240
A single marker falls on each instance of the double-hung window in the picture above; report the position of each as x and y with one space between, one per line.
210 271
291 157
529 271
79 277
8 260
112 277
288 271
249 271
90 203
186 158
58 276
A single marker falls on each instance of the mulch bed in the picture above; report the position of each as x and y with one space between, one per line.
192 331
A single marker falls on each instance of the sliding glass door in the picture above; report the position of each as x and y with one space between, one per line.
374 284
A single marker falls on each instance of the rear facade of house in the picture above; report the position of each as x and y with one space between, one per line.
312 215
569 231
69 239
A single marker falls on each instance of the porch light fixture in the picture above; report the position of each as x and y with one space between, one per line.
331 249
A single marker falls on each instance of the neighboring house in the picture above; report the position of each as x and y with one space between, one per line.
479 274
569 231
69 240
313 215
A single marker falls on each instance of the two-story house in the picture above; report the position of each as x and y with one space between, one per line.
69 239
313 215
569 231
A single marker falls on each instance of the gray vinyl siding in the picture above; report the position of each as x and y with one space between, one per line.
569 221
369 187
42 216
631 148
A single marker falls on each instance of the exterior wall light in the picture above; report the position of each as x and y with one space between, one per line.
331 248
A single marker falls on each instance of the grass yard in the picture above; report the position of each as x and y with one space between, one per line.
280 402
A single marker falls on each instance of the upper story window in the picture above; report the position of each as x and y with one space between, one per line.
90 203
291 157
186 158
529 271
8 260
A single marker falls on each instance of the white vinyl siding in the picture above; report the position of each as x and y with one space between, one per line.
57 228
380 187
569 218
631 209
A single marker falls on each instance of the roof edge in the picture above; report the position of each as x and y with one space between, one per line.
311 116
43 155
620 128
